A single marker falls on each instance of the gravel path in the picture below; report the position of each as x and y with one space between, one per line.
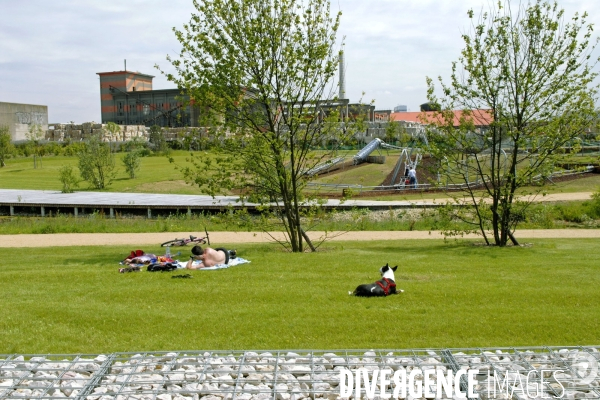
138 239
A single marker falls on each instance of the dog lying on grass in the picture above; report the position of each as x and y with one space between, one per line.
383 287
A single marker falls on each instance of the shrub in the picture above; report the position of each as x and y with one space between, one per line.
134 144
72 149
97 163
54 148
68 179
132 163
594 206
6 147
572 212
157 140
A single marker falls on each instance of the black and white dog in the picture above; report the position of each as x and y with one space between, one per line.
383 287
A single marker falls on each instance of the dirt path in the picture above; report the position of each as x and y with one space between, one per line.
577 196
139 239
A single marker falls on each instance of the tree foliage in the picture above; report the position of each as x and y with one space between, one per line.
112 129
34 135
96 163
68 179
7 149
132 162
530 72
261 71
157 140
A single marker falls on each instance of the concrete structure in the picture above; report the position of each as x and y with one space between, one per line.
81 132
127 98
20 117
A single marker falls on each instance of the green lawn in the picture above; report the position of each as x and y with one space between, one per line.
68 300
366 174
156 175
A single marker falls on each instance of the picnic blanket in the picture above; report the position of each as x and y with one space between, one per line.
138 259
232 262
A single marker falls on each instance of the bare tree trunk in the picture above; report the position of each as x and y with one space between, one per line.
512 238
308 241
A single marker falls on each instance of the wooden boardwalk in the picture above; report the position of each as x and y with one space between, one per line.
46 202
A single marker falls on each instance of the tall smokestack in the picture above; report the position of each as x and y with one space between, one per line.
342 94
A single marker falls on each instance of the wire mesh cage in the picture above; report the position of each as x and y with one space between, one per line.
502 373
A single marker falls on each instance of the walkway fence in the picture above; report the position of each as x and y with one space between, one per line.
359 189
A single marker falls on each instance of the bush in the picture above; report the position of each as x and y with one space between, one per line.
68 179
135 144
157 140
594 205
540 215
54 148
73 149
6 147
97 163
576 212
132 163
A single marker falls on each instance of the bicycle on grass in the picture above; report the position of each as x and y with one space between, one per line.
185 242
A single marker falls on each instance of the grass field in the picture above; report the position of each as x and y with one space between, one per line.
156 175
458 294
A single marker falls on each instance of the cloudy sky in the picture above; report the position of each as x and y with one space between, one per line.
51 50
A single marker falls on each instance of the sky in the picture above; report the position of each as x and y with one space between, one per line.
51 50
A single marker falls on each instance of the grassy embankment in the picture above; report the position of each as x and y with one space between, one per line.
157 175
457 295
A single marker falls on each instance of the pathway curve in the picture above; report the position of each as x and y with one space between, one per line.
139 239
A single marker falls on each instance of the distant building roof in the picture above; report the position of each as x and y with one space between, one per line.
124 72
480 117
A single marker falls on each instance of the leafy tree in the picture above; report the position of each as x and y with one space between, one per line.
392 131
138 144
34 135
68 179
96 163
112 129
132 163
529 73
7 149
157 140
260 71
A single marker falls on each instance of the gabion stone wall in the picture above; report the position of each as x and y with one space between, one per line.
539 372
78 132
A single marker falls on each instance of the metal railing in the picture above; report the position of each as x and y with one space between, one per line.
334 187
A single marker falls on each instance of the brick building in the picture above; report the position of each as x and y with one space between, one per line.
127 98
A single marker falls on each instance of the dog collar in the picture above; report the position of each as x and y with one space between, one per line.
386 288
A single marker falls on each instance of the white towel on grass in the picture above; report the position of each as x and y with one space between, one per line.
232 262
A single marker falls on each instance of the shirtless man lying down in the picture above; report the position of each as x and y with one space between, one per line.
208 257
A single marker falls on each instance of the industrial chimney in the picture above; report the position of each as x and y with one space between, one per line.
342 94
